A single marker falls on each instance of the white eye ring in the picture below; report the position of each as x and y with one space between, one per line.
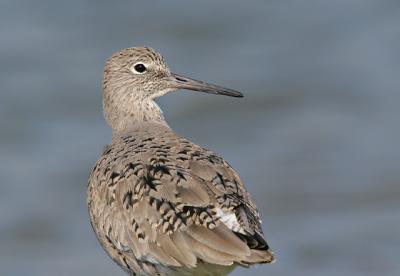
139 68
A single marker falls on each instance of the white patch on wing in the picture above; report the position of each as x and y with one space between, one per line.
152 260
230 220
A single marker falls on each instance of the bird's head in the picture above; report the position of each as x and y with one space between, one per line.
140 73
134 77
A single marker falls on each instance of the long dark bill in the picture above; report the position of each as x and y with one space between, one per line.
181 82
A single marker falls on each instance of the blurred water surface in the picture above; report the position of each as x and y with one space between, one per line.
316 137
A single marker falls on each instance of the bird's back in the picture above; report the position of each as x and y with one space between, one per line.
163 205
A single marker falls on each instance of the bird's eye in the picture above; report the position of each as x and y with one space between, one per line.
140 68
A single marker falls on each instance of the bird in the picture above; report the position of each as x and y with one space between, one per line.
158 203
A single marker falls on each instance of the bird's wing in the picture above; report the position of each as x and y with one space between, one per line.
169 201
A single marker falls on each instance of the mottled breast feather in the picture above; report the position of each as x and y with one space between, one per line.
161 204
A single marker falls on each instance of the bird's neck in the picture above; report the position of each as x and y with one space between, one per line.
126 113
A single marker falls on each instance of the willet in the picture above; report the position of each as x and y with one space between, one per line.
159 204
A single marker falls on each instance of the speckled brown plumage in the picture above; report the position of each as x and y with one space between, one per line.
161 205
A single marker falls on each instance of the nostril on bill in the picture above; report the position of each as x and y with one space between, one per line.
180 79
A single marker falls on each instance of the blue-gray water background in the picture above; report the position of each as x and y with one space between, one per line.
316 137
